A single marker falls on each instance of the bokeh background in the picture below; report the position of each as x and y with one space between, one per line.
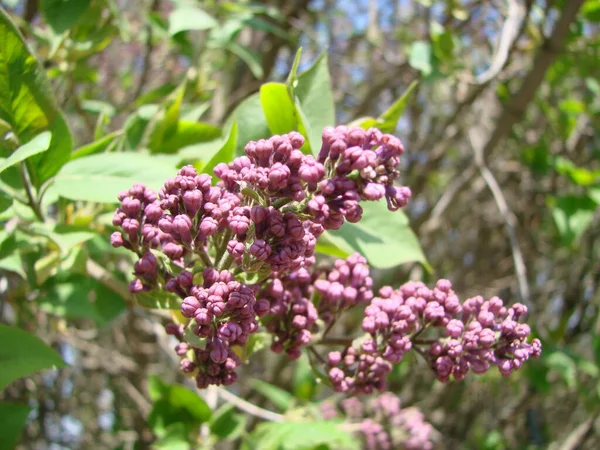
503 158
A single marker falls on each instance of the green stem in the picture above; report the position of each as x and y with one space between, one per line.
204 256
32 202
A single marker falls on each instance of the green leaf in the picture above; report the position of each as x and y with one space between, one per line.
420 57
388 121
315 98
37 145
100 178
99 107
304 381
175 437
189 133
278 107
97 146
190 18
173 404
156 300
62 15
326 246
27 103
572 215
6 201
280 398
565 366
227 423
25 355
12 422
64 236
578 175
303 436
591 10
383 237
251 121
252 59
226 153
80 297
293 75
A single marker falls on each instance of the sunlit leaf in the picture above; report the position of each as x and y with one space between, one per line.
25 355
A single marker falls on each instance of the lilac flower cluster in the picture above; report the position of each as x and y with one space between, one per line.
475 335
291 314
384 425
221 312
359 165
344 287
243 249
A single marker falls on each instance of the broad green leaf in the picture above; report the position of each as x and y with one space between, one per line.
226 153
227 423
61 15
578 175
303 436
37 145
25 355
156 300
565 366
100 178
189 133
279 397
591 10
6 201
97 146
174 437
315 97
99 107
164 124
13 263
278 107
174 404
383 237
388 121
64 236
251 121
326 246
304 381
251 58
420 57
12 422
190 18
27 103
572 215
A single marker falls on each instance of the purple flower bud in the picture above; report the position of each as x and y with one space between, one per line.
236 249
189 306
116 239
203 316
279 175
454 328
218 351
136 286
487 337
192 201
173 251
187 366
260 250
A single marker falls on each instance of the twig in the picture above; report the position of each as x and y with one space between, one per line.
33 204
248 407
149 47
509 219
510 32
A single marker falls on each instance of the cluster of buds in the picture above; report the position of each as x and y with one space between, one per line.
383 423
474 335
241 254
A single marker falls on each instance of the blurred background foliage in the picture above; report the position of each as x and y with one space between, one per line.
497 103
